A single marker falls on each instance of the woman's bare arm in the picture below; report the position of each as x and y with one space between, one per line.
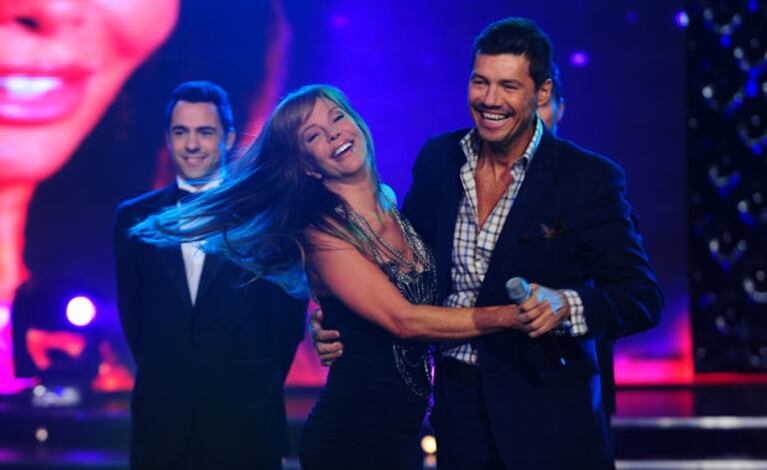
360 284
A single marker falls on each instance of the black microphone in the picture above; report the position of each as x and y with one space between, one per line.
518 291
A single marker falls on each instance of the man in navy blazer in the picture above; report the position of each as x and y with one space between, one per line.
504 199
551 113
212 350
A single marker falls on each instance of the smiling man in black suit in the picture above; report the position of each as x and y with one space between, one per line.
212 350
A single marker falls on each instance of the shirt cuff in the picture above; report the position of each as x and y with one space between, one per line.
576 324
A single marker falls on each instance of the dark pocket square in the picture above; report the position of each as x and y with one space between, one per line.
546 231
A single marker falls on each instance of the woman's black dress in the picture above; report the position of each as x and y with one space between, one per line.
370 413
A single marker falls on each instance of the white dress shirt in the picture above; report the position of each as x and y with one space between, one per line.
194 256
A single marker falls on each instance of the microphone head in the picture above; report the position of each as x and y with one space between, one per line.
518 289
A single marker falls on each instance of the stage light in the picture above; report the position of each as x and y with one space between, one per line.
726 310
579 59
429 444
755 285
751 89
751 122
632 17
753 209
339 21
681 19
720 86
729 322
727 198
722 19
80 311
724 174
727 249
41 434
56 397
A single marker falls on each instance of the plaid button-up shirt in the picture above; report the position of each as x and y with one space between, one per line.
473 247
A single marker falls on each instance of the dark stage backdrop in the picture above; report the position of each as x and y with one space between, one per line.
404 65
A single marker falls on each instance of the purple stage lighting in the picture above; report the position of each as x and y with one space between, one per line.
339 21
681 19
80 311
5 315
579 59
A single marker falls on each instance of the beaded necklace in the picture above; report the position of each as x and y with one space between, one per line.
375 241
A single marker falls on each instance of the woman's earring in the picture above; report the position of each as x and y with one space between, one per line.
314 174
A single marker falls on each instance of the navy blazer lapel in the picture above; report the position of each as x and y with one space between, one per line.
210 270
451 195
172 261
171 258
537 186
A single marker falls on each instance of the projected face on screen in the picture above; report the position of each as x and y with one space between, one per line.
62 62
61 65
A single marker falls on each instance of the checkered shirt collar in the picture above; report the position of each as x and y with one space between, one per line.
471 144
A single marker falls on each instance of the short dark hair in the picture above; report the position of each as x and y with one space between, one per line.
518 36
201 91
557 93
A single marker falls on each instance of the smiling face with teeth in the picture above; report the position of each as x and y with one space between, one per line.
503 100
52 92
197 140
335 144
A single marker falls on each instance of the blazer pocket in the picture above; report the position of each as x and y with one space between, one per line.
546 231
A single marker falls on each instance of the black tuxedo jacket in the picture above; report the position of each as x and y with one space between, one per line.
210 376
570 227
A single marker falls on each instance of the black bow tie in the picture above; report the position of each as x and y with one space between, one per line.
181 193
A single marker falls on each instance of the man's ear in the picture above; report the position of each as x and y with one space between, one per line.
544 92
230 138
561 110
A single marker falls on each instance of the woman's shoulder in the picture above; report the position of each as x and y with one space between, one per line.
388 193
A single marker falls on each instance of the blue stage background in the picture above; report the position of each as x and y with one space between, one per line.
405 66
